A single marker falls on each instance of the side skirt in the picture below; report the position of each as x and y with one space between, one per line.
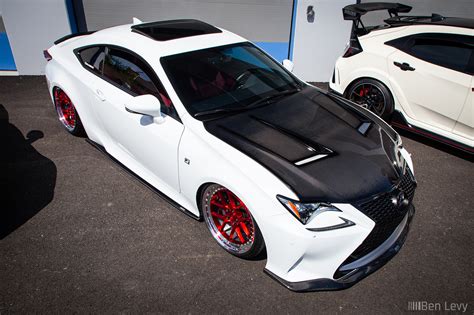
143 182
399 121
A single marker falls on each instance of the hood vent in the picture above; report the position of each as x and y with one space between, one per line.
317 150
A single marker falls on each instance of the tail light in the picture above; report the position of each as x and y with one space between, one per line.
47 55
352 48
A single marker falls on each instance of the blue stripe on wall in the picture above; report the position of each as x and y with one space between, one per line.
6 57
292 30
278 50
71 16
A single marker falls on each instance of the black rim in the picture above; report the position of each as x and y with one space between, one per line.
370 97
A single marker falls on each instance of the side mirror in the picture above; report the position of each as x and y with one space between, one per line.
288 64
147 105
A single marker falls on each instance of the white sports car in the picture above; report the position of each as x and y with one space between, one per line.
231 137
419 68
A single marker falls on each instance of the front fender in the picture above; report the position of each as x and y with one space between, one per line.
213 161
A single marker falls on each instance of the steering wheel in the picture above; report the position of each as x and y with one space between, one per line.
242 78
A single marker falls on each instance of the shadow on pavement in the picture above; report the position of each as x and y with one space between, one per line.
27 178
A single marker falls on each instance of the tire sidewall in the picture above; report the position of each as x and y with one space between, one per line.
389 102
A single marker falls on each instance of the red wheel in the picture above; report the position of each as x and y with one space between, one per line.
67 113
230 222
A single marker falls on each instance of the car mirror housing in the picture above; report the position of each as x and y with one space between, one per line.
147 105
288 64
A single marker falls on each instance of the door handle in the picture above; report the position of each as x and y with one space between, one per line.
100 95
404 66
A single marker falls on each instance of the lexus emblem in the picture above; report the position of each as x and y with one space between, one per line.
399 199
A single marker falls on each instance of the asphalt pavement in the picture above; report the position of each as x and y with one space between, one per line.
79 234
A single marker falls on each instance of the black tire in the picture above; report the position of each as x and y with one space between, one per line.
373 95
67 113
219 205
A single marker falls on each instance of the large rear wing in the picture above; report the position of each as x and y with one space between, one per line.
353 12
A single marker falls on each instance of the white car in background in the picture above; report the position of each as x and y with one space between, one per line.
229 136
414 70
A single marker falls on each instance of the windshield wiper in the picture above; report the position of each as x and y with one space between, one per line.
220 110
265 100
269 98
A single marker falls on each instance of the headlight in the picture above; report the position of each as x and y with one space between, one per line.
399 141
304 211
399 162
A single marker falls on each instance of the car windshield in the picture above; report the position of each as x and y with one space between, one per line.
226 78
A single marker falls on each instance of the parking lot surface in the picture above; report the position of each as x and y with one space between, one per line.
79 234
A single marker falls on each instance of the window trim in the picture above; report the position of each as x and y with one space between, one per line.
154 77
78 51
404 44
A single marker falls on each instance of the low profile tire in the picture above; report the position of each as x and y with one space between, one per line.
67 113
372 95
230 222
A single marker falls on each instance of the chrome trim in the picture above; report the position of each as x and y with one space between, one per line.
311 159
346 223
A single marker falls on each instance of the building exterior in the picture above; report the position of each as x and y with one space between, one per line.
311 33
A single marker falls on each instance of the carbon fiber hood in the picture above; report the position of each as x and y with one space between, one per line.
323 148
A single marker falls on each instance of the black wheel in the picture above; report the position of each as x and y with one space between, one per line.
67 113
372 95
230 222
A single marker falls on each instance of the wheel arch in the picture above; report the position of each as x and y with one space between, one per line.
382 75
199 192
354 81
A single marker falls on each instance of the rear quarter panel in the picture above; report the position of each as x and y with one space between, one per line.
371 62
65 71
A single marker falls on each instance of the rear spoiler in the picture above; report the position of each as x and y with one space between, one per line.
64 38
353 12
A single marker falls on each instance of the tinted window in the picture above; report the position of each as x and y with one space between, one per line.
93 58
129 73
132 75
225 77
451 51
449 54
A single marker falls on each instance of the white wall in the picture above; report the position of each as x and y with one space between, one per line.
257 20
318 43
33 26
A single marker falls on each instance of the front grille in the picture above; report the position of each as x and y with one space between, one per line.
386 215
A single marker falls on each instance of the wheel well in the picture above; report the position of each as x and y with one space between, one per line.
53 88
199 196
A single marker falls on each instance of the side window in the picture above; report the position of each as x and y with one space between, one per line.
135 77
446 53
93 58
128 72
451 51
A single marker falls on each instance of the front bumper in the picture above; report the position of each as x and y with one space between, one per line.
359 269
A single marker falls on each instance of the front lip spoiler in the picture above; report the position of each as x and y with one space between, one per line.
353 276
